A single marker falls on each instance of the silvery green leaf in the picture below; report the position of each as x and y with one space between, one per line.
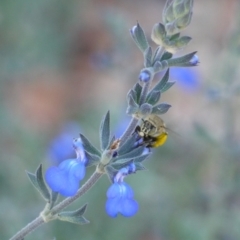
53 199
38 182
153 97
132 154
132 105
161 108
74 216
145 109
122 163
131 110
174 37
111 172
139 166
138 90
183 61
167 86
92 159
148 57
141 158
161 84
105 131
127 146
133 94
166 56
139 37
88 147
158 54
168 14
160 66
158 34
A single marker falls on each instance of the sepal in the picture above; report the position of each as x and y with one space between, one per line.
74 216
161 108
139 37
105 132
88 147
38 182
184 61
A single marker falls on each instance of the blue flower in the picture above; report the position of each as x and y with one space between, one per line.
65 177
120 195
120 200
188 78
60 147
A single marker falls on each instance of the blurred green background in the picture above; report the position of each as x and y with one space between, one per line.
68 62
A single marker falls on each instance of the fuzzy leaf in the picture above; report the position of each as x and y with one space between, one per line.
74 216
38 182
139 37
53 199
138 90
132 105
167 86
127 146
141 158
88 147
132 154
148 57
139 166
161 84
161 108
92 159
166 56
122 163
153 97
105 131
111 172
145 109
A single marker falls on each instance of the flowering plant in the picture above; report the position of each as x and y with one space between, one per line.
117 158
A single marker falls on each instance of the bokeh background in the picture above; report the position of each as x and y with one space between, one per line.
63 64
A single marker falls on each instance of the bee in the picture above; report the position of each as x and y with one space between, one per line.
153 131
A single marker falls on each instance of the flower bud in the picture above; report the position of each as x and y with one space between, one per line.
177 15
146 75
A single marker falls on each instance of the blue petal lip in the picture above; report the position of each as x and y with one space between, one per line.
66 177
120 200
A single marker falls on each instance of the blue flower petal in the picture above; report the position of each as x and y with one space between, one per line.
120 200
112 206
128 190
66 177
129 207
114 191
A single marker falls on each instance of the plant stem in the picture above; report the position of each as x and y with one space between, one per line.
39 220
